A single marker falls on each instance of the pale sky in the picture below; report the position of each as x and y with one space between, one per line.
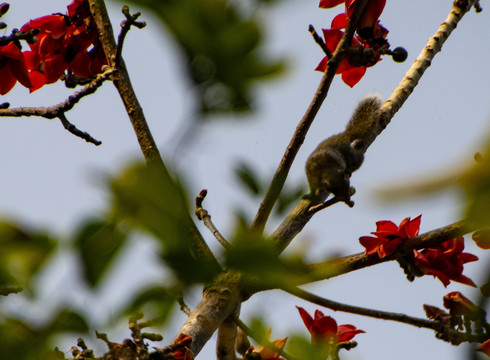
51 179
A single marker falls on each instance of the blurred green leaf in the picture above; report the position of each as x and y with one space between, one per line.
54 354
222 46
476 184
302 348
156 302
259 259
248 178
22 253
288 197
98 242
21 341
150 199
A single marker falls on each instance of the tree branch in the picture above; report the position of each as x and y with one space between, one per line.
122 82
59 110
423 61
450 334
54 111
339 266
300 215
227 331
301 130
219 301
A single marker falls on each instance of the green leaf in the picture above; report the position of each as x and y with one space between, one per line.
148 197
259 259
156 302
21 341
288 197
476 184
222 46
22 253
98 242
67 321
248 178
302 348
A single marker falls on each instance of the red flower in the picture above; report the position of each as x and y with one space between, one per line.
351 74
324 329
445 261
388 236
62 45
371 13
459 305
12 68
484 347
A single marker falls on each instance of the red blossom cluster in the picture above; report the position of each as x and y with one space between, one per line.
444 261
370 35
65 43
324 329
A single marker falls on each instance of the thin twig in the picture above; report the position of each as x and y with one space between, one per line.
183 306
298 138
125 27
316 208
17 35
203 215
59 110
320 41
450 334
73 129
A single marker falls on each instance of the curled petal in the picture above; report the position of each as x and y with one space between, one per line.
347 332
340 21
7 80
353 76
484 347
322 66
37 80
327 4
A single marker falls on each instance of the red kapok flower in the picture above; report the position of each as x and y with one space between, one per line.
445 261
484 347
351 74
63 43
324 329
371 13
388 236
12 68
459 305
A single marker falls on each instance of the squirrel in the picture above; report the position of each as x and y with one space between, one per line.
330 165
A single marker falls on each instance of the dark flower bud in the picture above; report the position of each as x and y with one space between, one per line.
399 54
4 7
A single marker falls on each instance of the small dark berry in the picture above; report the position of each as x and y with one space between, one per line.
399 54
